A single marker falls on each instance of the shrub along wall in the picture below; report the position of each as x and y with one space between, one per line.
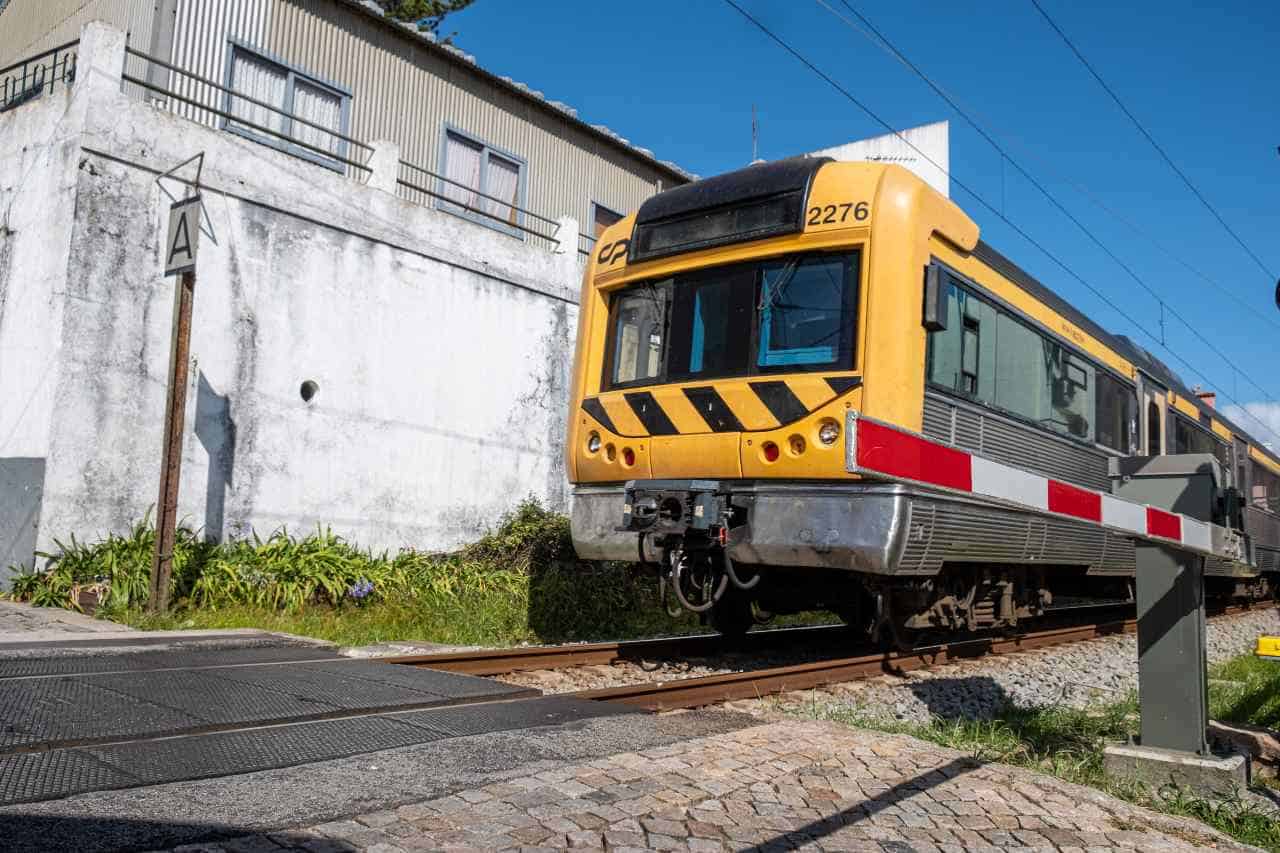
521 582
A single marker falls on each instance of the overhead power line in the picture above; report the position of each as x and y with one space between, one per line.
981 200
967 112
1048 196
1164 305
1156 145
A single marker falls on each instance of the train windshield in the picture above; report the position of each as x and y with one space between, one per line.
777 315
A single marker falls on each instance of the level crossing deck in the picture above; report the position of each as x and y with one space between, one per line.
73 721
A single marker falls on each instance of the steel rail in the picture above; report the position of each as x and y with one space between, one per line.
499 661
755 684
487 662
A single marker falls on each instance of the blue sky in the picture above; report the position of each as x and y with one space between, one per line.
680 79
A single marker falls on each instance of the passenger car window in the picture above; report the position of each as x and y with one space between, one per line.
745 319
801 308
995 358
711 323
638 335
1115 406
1191 439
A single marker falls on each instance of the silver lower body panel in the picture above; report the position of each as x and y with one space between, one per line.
875 528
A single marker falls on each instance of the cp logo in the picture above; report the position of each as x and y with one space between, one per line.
610 252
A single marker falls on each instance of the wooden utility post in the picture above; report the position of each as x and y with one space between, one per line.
180 259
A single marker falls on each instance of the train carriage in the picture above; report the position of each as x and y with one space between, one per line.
729 326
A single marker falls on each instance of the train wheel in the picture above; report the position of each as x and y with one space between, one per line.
732 615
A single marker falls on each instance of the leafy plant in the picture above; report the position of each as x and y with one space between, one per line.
519 582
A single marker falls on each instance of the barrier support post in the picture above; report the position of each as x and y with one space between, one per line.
1173 680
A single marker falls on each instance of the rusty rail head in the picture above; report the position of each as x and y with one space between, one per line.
752 684
755 684
498 661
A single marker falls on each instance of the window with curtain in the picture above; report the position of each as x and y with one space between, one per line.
284 107
481 183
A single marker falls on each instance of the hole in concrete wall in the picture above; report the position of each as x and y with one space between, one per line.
308 390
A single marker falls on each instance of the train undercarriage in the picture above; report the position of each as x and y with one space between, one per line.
896 564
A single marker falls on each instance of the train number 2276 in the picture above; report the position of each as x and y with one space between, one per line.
838 213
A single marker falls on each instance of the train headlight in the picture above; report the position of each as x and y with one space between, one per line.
829 432
593 443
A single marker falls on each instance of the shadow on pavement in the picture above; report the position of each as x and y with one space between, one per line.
854 815
40 833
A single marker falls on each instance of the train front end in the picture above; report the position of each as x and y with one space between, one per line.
726 329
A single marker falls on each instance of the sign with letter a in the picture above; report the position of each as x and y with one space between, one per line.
184 236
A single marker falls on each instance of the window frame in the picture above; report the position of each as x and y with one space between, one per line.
1270 502
1178 418
293 74
977 291
456 209
852 305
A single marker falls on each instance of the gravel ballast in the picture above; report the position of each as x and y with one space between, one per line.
1076 674
1073 675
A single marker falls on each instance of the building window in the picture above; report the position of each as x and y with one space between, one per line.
481 182
998 360
289 110
601 218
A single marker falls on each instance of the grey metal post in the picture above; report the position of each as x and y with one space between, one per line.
1173 685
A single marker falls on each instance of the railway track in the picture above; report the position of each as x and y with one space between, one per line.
529 658
699 691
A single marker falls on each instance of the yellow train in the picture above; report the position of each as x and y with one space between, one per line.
729 326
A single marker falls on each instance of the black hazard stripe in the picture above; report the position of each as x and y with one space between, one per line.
651 415
592 406
780 400
713 409
840 384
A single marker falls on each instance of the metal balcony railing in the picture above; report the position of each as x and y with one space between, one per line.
214 104
30 78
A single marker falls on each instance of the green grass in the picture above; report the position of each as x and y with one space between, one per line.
1247 691
1068 743
557 605
519 583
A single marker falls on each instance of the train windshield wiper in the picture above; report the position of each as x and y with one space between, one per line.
769 295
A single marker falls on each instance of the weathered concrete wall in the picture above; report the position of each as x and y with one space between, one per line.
441 348
39 147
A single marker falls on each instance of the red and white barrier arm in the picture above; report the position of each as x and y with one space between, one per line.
880 450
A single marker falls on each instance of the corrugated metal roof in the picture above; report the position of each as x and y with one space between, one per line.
466 60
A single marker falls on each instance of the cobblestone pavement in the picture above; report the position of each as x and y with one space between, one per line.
22 619
784 785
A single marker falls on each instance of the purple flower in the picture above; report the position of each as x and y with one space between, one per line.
360 589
